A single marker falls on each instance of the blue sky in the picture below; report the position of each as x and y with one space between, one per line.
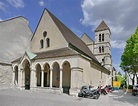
81 16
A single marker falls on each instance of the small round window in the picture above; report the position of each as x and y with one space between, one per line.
44 33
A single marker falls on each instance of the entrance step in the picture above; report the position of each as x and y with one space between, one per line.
47 90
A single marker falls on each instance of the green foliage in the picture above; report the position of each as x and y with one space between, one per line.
130 87
119 77
123 82
129 58
136 44
119 73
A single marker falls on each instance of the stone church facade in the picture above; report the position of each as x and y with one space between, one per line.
60 61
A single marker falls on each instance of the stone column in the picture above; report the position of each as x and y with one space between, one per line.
48 77
51 74
33 78
23 77
13 78
60 78
42 78
20 77
76 77
76 80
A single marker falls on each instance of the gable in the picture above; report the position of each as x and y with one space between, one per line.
102 26
55 36
60 36
23 58
73 40
86 39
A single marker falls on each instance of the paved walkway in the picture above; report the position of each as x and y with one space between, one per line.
12 97
121 98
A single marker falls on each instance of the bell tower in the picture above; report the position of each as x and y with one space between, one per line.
102 45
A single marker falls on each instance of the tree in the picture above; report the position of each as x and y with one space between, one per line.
136 49
129 58
121 79
123 82
119 73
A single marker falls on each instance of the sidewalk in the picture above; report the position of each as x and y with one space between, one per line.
121 98
5 86
14 97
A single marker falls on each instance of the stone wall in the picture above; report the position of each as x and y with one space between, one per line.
5 76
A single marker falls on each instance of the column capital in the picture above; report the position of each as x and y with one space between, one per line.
76 69
51 69
61 69
21 69
33 70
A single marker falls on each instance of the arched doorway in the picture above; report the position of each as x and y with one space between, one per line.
46 75
56 75
16 75
66 77
26 67
38 74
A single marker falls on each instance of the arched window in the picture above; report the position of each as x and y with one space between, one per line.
99 37
41 43
102 48
16 75
48 42
44 34
102 37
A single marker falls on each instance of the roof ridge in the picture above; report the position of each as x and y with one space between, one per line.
61 22
38 23
87 36
102 26
71 37
13 19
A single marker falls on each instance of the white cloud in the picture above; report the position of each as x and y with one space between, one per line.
1 19
17 3
118 44
120 15
87 5
41 3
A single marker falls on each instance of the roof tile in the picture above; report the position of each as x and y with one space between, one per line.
72 38
55 53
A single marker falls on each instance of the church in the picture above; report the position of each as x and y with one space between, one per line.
59 61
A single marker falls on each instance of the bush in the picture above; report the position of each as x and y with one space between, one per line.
130 87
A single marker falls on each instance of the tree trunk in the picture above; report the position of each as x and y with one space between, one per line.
133 80
137 78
